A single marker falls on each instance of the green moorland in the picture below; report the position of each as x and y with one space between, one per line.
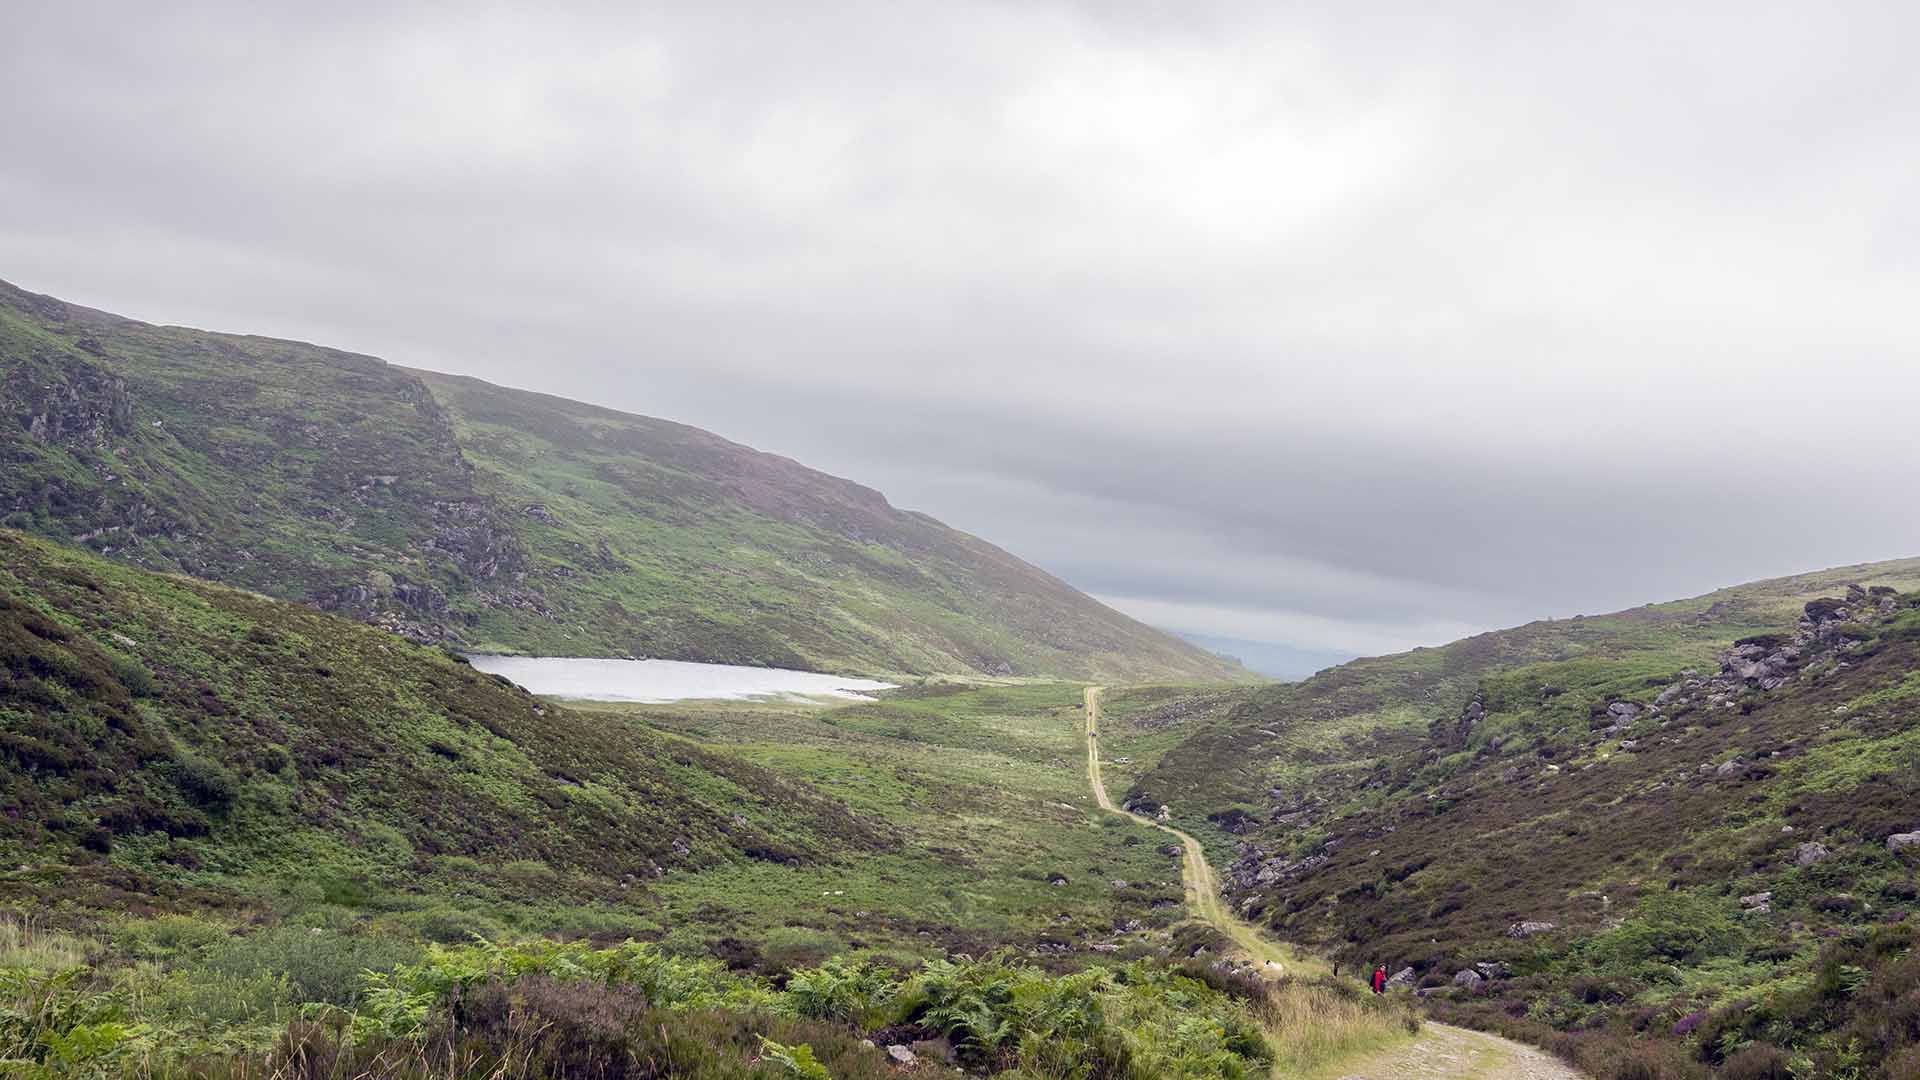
1698 807
498 520
244 838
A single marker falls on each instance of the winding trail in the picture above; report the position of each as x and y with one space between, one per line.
1203 889
1439 1052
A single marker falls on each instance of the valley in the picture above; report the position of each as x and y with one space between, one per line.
811 780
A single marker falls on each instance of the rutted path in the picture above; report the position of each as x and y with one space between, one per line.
1439 1052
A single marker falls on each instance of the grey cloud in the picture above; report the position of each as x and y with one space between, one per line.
1363 325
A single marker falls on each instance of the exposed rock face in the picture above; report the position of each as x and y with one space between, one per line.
89 408
469 531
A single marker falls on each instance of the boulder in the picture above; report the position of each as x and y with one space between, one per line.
1903 841
901 1055
940 1049
1529 928
1731 769
1469 978
1756 899
1809 853
1493 969
1402 979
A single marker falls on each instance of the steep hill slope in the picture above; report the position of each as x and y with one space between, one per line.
451 510
1258 753
161 737
1670 840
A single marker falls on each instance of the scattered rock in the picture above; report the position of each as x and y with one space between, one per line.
1903 841
1402 979
1529 928
1809 853
1057 879
901 1055
1469 978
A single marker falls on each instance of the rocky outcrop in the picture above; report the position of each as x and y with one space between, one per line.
1828 628
1255 868
1810 853
89 407
1461 730
470 531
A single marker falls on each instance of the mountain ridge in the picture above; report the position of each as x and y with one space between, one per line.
452 510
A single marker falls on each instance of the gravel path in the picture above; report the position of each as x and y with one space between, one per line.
1439 1052
1450 1053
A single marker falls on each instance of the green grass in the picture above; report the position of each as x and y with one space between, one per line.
552 1010
1429 842
985 788
500 520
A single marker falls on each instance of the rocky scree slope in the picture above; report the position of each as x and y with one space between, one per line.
1661 859
453 511
170 742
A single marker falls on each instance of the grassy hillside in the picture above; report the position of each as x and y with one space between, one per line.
1663 841
246 838
451 510
166 741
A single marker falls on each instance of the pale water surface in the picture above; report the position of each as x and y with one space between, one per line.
656 681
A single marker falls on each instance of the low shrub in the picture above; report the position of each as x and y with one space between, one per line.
322 966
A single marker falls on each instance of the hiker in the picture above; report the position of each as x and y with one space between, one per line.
1380 979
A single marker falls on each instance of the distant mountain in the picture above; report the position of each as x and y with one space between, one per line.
1679 836
451 510
1269 658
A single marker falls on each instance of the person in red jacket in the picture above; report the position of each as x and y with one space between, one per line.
1380 979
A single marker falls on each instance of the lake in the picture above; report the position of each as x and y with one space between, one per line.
657 681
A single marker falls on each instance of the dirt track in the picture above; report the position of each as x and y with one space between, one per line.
1439 1052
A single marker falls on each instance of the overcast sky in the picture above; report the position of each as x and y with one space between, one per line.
1347 328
